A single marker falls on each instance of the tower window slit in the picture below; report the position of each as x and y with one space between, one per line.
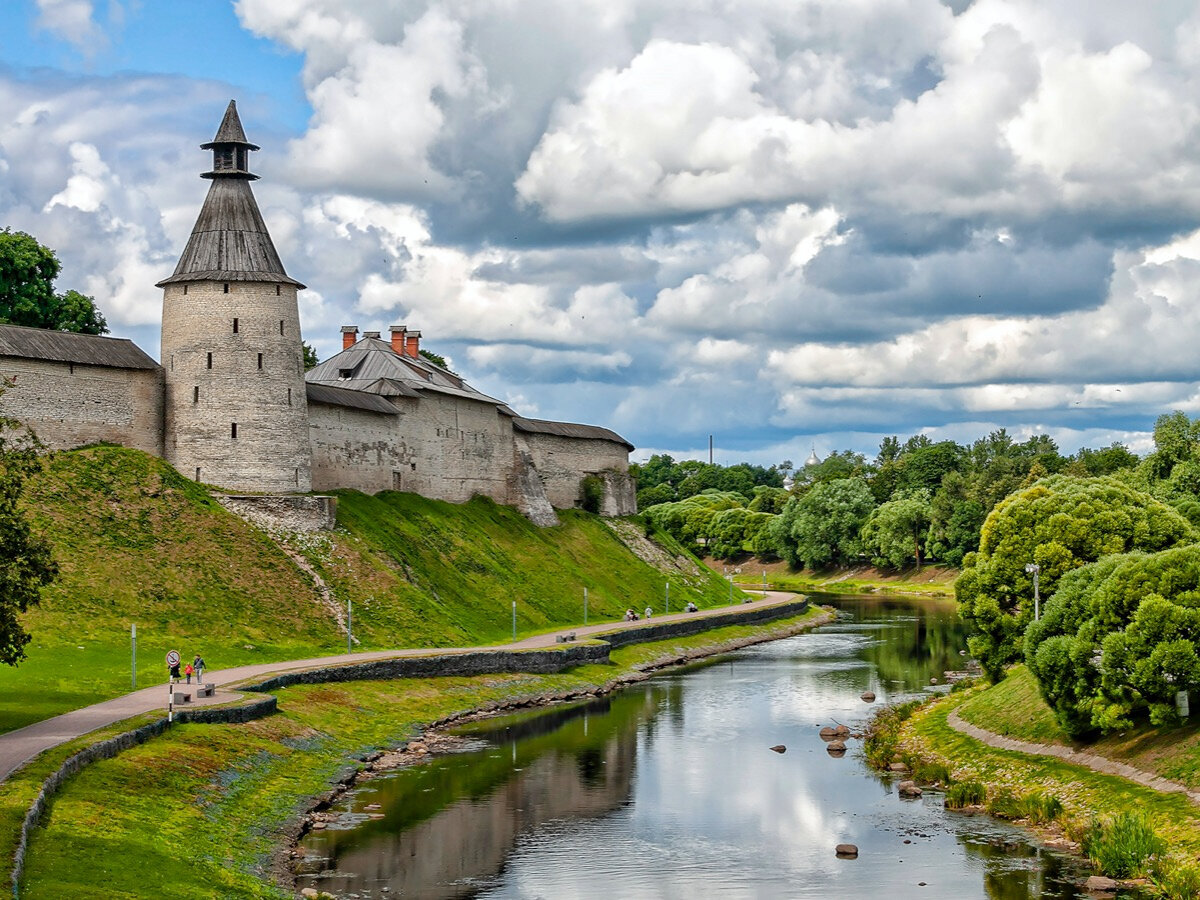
235 326
209 365
233 429
196 394
276 290
185 290
289 396
280 322
226 287
197 473
260 360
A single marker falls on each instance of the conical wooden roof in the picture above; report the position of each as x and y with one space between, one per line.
230 241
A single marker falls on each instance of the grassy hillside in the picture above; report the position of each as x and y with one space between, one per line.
138 543
438 574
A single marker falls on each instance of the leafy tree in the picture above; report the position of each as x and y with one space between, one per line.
1118 639
956 519
27 297
769 499
309 355
894 532
651 496
837 465
1060 523
689 520
436 359
735 531
25 561
822 527
1106 461
923 468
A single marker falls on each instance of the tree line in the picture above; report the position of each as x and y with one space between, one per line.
917 500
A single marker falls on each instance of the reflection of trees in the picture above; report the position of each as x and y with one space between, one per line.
459 816
922 639
1045 877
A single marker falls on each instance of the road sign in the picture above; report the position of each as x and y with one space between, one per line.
172 658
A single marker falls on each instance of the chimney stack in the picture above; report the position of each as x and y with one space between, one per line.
371 334
349 336
398 338
412 343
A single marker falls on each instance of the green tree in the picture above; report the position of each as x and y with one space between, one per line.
435 358
1118 639
27 297
309 355
822 527
25 561
1060 523
895 531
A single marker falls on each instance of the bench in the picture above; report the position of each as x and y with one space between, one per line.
564 638
180 697
205 690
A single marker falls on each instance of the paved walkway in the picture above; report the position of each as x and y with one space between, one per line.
18 747
1093 761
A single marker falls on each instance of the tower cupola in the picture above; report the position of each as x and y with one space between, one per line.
231 150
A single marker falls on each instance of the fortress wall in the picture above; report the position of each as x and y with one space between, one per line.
70 404
357 449
563 462
461 448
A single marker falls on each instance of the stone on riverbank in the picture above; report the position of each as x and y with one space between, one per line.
1098 884
868 696
847 851
908 789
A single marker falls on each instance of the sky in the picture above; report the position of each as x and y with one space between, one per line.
788 224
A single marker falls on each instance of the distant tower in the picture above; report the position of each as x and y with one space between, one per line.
235 411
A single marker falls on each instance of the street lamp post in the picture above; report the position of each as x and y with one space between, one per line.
1034 569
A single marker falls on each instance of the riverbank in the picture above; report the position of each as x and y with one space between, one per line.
1062 801
210 804
928 581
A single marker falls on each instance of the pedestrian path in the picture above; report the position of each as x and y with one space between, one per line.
19 746
1093 761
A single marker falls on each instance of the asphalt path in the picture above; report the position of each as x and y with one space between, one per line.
19 746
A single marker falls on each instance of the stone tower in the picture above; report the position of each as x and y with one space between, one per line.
235 413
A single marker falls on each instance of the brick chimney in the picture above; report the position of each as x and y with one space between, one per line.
412 343
371 334
398 338
349 336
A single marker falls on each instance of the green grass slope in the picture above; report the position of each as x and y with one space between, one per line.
138 543
423 572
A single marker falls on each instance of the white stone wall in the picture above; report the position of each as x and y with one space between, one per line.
563 462
355 448
253 378
69 405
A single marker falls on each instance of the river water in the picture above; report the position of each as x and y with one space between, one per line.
669 789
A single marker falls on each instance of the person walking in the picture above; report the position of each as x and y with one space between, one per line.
648 612
187 673
198 668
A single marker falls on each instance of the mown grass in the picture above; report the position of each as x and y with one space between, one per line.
200 808
1014 708
1037 785
139 544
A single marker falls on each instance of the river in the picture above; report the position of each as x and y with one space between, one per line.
669 789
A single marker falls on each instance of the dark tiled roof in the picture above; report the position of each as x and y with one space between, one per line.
374 366
65 346
336 396
568 429
230 241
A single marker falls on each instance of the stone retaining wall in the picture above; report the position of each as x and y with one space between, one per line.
705 623
110 748
481 662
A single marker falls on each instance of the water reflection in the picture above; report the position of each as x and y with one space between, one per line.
669 790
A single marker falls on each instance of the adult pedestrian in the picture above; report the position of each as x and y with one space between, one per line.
198 666
649 611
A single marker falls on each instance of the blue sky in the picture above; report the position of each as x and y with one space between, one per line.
801 223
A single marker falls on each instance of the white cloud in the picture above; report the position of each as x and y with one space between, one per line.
73 21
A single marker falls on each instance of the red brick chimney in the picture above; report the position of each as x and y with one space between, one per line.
398 338
412 343
349 336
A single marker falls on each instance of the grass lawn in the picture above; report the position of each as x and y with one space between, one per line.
931 581
1014 708
201 806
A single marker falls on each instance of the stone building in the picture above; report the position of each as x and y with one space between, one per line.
231 405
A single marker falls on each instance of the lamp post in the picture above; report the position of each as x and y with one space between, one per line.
1033 569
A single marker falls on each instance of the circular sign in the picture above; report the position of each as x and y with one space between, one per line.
172 658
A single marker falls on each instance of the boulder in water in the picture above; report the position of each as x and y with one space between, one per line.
847 851
868 696
779 748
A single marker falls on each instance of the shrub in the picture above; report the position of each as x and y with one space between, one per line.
1122 845
965 793
1040 807
591 491
1004 804
929 772
883 734
1177 881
